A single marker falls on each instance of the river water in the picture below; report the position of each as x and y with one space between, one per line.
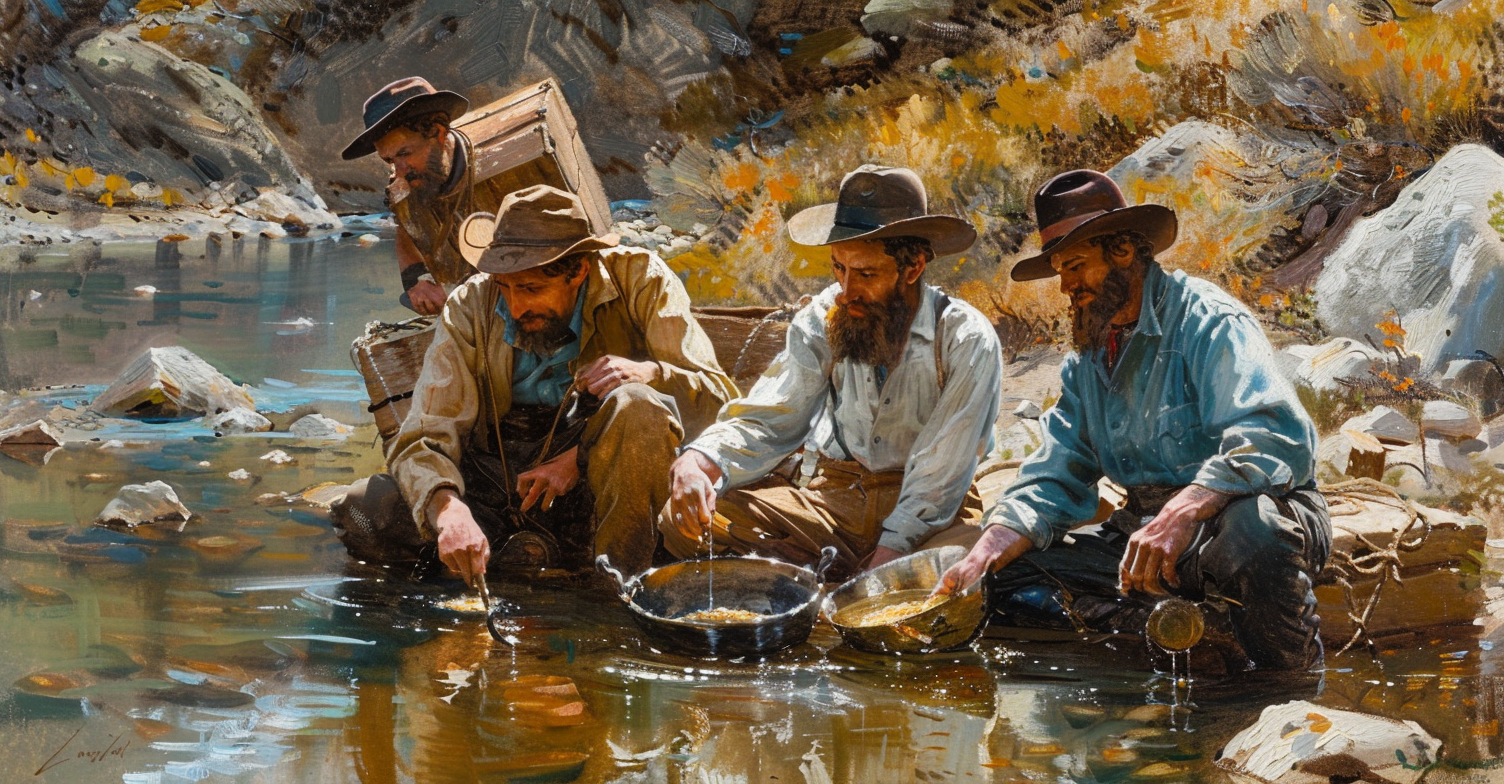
151 657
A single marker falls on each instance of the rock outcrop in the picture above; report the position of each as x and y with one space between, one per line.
1432 258
170 383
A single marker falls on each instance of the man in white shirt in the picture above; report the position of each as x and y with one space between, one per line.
894 385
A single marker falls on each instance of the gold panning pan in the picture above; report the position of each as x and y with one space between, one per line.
888 609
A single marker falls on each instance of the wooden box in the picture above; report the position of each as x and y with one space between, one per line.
531 138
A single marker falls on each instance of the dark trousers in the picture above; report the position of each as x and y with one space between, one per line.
1261 553
629 441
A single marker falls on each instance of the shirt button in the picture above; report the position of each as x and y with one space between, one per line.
1117 425
877 439
886 401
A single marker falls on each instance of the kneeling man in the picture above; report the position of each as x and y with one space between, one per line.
567 359
891 386
1173 394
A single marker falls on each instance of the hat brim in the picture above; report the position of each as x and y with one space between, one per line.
442 101
817 226
475 236
1155 222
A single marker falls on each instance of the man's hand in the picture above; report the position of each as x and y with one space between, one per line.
997 548
427 297
691 504
462 545
1154 549
882 555
609 372
549 481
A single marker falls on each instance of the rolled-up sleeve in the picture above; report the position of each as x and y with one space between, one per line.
1056 486
685 356
940 470
425 456
753 433
1267 441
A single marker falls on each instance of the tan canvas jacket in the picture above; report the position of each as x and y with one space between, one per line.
635 307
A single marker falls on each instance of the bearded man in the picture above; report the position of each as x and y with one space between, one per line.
552 401
891 386
1173 394
433 184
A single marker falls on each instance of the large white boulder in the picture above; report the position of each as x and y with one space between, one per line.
170 383
1303 742
1432 258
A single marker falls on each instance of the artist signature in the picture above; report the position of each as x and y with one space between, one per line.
116 748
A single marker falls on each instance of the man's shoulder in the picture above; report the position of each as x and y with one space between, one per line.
1200 299
629 266
963 321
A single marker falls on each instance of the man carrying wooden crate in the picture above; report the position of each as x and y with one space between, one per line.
568 358
895 383
433 184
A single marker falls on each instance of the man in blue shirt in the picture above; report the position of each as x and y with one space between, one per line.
1173 394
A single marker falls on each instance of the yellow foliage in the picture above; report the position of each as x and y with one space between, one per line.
84 176
31 136
158 33
107 199
115 182
153 6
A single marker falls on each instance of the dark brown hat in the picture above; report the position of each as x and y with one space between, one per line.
401 100
877 202
1081 204
532 227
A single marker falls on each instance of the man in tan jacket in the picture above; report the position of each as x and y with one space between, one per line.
569 358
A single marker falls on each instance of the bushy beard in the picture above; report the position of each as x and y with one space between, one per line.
1090 325
554 334
429 181
873 339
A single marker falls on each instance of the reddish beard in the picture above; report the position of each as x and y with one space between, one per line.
873 339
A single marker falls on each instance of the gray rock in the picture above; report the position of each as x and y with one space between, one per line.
1319 367
1352 454
1386 425
1431 257
237 421
319 426
170 383
1301 742
138 504
38 433
1475 379
1446 419
1028 409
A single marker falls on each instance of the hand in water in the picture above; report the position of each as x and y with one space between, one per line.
691 504
463 547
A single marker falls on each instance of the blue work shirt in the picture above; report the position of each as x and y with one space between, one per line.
1194 399
539 380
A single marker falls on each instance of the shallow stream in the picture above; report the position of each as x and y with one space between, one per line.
151 656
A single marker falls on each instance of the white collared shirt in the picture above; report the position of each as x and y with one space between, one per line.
936 437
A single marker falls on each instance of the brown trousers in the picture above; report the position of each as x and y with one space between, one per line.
843 506
629 444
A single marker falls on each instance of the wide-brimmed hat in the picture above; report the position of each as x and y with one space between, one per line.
401 100
877 202
1081 204
532 227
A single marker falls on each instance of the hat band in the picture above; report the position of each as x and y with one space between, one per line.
504 242
1060 228
850 216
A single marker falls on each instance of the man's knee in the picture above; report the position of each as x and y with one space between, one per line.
635 405
375 524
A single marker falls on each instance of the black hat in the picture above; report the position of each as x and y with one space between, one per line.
1081 204
877 202
401 100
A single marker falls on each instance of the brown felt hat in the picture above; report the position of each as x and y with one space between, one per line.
397 102
877 202
532 227
1081 204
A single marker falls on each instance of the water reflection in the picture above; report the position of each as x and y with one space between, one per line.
246 647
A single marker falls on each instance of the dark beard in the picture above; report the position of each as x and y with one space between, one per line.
551 337
873 339
433 176
1090 325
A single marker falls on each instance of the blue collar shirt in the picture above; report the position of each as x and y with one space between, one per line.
539 379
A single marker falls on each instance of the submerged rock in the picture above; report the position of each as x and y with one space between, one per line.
239 420
170 383
33 443
319 426
1303 742
153 502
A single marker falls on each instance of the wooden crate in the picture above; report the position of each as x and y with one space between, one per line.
530 138
745 340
